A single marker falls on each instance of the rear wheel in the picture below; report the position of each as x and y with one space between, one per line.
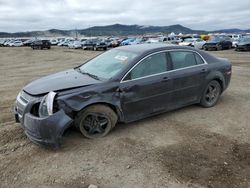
211 94
96 121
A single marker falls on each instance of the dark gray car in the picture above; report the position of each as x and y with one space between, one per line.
243 45
121 85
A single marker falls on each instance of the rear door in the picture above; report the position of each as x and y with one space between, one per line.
188 72
146 88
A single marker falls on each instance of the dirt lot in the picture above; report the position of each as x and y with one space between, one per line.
190 147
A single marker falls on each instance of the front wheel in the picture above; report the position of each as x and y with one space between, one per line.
211 94
219 47
96 121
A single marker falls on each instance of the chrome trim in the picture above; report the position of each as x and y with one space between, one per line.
20 100
123 81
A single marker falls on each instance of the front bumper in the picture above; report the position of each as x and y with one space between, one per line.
210 46
47 130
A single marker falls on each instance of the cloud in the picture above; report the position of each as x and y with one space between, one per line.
26 15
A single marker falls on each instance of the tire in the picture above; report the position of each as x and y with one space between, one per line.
211 94
96 121
204 47
219 47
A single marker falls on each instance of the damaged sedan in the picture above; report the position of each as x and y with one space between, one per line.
124 84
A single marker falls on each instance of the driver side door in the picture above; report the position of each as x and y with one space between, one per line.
146 89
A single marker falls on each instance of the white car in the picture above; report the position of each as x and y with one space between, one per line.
236 37
194 42
8 42
16 44
153 40
75 44
54 42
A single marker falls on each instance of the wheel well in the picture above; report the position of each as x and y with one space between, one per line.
220 82
106 104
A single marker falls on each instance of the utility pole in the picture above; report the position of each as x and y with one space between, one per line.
76 33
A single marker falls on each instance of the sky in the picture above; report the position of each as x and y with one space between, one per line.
30 15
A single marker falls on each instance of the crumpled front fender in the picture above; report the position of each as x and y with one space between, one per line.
47 130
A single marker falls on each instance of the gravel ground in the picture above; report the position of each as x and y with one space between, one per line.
190 147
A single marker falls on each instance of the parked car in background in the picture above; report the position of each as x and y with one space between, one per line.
28 42
172 40
218 43
243 45
2 41
16 44
65 42
8 42
115 42
53 41
124 84
198 43
40 44
127 41
236 37
95 44
83 41
75 44
152 40
194 42
136 41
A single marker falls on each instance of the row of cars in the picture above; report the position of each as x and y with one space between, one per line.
214 43
218 43
11 42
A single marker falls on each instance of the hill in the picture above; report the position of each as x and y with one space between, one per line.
117 30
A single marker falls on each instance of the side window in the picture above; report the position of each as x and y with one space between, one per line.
182 59
198 59
151 65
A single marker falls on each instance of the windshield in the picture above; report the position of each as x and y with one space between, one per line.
108 64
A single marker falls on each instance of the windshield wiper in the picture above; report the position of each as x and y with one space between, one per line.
89 74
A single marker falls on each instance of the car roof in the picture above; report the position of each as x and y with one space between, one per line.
146 48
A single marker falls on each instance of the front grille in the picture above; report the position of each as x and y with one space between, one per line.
22 101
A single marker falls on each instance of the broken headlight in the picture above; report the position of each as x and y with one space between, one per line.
46 105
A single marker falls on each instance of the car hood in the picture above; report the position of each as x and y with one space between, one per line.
59 81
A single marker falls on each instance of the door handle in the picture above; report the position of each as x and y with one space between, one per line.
203 70
124 89
165 79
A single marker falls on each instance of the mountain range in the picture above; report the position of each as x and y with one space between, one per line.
117 30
